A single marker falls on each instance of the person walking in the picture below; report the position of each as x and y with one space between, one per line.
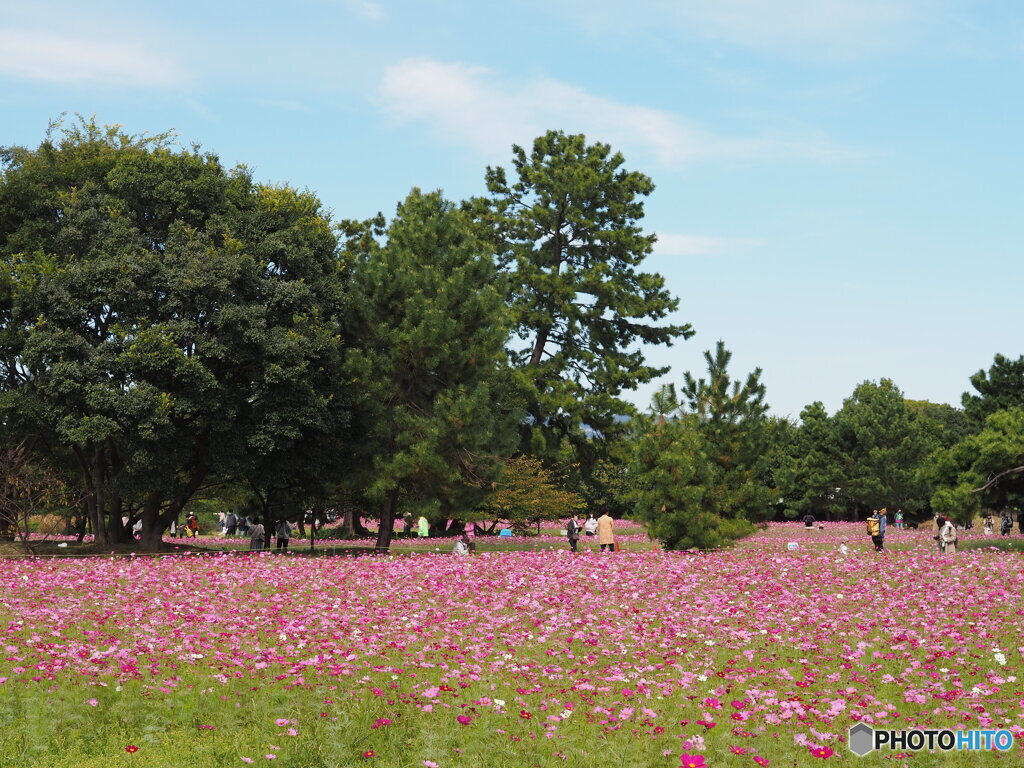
423 527
284 534
1007 523
590 526
876 531
572 532
230 524
989 523
898 519
947 538
256 535
606 532
192 526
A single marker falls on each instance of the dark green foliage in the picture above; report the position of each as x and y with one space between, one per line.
960 470
880 449
1001 388
165 321
430 325
567 233
702 479
811 473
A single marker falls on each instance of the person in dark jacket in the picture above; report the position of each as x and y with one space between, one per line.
572 532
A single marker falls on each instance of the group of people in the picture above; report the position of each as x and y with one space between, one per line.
603 527
258 533
1005 522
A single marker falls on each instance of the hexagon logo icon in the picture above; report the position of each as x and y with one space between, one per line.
861 739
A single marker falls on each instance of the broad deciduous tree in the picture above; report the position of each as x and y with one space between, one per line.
165 321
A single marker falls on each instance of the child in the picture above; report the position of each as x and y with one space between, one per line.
843 549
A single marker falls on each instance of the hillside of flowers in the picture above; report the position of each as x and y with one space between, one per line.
759 655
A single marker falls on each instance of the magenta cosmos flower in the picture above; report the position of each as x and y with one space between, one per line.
692 761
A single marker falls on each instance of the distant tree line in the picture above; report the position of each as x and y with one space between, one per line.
174 333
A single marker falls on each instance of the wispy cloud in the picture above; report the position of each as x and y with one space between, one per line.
56 58
686 246
476 107
818 28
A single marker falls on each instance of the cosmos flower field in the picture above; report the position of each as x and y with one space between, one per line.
758 655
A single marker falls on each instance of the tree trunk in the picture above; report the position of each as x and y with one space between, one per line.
348 524
357 524
97 500
387 521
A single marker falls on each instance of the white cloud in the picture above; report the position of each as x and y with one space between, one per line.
683 246
65 59
473 106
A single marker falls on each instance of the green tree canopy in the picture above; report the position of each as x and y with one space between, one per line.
881 449
567 230
961 470
811 473
1000 388
701 479
165 321
429 326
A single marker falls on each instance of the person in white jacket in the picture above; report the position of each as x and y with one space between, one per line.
947 537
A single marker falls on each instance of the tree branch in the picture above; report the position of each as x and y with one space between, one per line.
992 481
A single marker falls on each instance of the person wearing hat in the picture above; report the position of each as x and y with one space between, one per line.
876 530
192 525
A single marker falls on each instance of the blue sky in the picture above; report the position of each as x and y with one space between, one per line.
838 181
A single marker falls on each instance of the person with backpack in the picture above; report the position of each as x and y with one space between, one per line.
1007 523
876 530
230 524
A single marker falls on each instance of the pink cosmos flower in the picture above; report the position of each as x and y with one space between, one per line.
762 761
692 761
464 719
280 722
91 702
822 752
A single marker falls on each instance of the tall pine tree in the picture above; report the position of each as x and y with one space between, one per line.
567 230
429 325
